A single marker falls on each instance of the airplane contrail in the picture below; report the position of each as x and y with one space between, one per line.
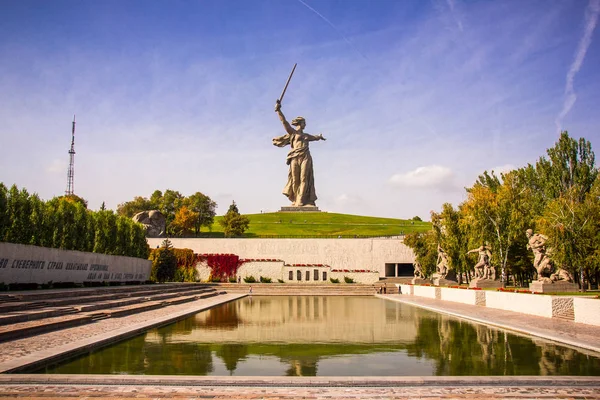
334 27
591 20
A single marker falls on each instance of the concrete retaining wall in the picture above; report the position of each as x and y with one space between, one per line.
21 263
460 295
583 310
519 302
424 291
587 311
350 254
276 270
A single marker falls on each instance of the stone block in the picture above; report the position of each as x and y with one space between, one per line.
485 283
437 281
419 281
299 209
553 287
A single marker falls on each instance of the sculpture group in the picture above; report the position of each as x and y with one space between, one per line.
483 270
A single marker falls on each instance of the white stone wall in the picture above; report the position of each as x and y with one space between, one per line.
587 311
464 296
21 263
533 304
366 278
350 254
424 291
267 269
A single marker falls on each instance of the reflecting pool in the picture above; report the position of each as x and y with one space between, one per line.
329 336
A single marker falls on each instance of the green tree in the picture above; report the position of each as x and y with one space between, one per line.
75 199
4 216
164 263
499 213
18 208
570 168
450 232
573 229
233 223
184 222
138 204
424 245
204 208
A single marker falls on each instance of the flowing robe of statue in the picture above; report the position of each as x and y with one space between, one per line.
300 187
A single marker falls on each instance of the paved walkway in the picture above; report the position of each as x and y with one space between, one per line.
140 387
566 332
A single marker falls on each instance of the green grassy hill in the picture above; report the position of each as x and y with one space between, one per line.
323 225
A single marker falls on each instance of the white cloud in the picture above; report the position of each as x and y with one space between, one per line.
57 166
502 169
430 176
591 19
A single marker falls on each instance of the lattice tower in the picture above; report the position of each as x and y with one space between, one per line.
71 172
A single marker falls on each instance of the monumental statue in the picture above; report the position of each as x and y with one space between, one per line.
483 268
536 242
442 262
154 222
300 187
444 275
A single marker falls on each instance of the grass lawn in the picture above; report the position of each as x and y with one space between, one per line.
320 224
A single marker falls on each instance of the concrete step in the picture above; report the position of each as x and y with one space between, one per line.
26 314
30 328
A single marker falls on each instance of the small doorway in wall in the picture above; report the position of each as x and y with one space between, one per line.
390 270
405 269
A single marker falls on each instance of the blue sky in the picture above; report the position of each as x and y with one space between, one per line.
416 98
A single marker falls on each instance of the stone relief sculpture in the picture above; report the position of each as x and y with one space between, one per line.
546 272
300 187
483 268
154 222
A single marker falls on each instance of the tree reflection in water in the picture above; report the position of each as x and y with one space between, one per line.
318 335
462 348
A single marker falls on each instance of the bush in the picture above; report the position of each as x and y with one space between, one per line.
333 280
348 280
232 279
265 280
22 286
3 287
250 279
63 285
96 284
280 280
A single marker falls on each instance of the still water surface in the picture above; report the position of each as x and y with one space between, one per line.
328 336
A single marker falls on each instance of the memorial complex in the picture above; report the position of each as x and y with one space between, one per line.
494 294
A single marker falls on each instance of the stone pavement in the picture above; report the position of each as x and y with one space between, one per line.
569 333
120 387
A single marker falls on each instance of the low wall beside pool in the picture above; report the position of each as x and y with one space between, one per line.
584 310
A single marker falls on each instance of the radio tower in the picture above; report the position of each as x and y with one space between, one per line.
71 173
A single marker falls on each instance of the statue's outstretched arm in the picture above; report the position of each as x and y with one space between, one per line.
312 138
286 124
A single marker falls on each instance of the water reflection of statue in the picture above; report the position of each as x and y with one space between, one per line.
300 187
483 269
541 259
442 262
